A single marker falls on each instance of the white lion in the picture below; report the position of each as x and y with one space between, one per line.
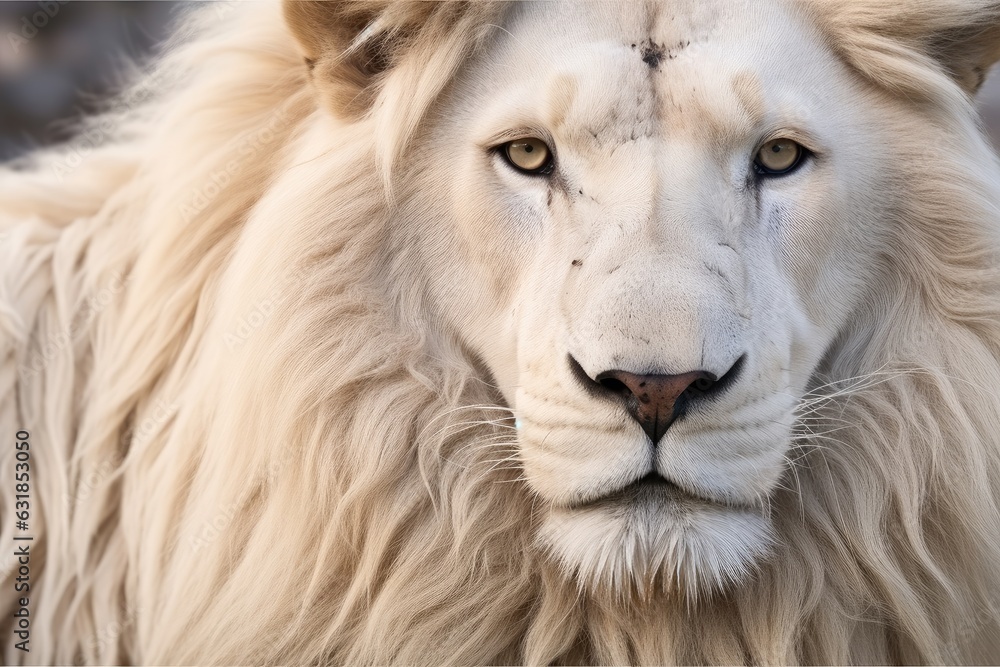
470 332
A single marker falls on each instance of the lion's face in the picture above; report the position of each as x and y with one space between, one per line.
649 231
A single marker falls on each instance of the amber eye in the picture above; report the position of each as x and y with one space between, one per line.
529 155
778 156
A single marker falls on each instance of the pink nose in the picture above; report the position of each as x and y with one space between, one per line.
655 400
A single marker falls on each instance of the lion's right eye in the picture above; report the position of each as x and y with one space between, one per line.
530 155
779 157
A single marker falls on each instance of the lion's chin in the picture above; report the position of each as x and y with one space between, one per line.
652 538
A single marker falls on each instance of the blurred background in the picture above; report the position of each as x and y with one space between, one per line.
58 58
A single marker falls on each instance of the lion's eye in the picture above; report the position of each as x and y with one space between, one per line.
529 155
778 157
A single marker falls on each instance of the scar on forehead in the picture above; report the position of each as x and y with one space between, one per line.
561 96
750 94
653 53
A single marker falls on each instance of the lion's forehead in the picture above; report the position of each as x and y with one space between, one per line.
611 74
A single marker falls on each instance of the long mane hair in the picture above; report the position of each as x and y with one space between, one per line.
251 444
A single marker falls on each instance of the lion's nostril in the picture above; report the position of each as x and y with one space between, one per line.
613 385
703 384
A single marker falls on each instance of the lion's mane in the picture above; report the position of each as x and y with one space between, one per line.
251 445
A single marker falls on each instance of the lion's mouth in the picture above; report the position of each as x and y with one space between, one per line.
651 487
652 484
654 481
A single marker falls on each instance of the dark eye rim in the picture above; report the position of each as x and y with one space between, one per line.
546 169
764 172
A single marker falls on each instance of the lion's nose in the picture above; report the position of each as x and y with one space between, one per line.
655 401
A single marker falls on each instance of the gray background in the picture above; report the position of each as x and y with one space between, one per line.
64 68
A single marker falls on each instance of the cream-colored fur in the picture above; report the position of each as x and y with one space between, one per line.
291 340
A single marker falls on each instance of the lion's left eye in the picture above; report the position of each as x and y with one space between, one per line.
529 155
778 157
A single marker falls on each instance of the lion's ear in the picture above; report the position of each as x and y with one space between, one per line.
351 45
963 36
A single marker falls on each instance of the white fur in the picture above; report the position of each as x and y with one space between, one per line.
272 338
